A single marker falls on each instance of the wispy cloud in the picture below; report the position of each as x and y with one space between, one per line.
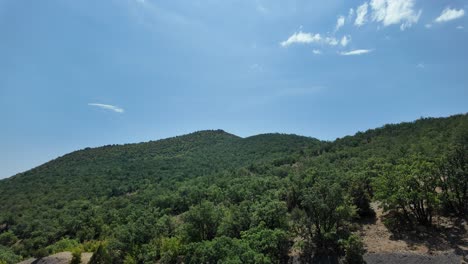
421 65
317 52
350 14
309 38
355 52
449 14
331 41
361 15
460 27
340 23
108 107
391 12
301 37
344 41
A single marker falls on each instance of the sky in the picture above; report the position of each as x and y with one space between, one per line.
76 74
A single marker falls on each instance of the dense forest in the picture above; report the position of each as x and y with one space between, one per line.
213 197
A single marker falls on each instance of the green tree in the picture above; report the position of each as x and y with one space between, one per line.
170 250
8 238
354 250
223 250
76 257
410 187
8 256
326 211
454 174
201 221
101 256
273 243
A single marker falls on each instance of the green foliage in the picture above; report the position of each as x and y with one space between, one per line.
454 173
8 256
410 187
223 250
62 245
201 221
170 249
101 256
359 190
326 212
129 260
8 238
76 256
272 213
274 244
354 250
214 197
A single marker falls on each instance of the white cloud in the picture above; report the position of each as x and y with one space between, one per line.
309 38
355 52
449 14
361 13
421 65
460 27
331 41
340 22
108 107
317 52
301 37
345 41
391 12
429 25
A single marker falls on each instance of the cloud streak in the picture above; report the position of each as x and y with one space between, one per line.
449 14
355 52
309 38
108 107
302 38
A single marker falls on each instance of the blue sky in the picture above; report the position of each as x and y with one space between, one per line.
85 73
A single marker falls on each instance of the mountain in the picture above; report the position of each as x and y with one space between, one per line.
118 169
164 200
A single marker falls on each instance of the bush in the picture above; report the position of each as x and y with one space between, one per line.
8 239
63 245
170 249
101 256
7 256
354 250
76 257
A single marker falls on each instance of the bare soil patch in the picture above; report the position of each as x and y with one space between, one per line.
446 242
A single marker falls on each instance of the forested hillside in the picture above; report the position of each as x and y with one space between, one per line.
213 197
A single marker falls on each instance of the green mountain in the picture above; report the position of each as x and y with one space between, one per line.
212 196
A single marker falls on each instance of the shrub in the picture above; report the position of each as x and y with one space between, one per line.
354 250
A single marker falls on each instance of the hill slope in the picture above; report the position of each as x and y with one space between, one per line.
194 191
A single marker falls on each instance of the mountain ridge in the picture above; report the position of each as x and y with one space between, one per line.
124 194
